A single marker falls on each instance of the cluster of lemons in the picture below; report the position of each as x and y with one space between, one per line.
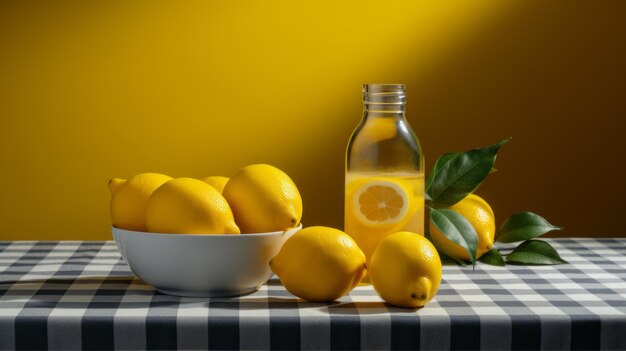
259 198
323 264
316 263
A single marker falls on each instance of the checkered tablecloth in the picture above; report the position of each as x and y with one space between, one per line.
73 295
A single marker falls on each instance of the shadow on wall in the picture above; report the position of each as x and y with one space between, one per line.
547 76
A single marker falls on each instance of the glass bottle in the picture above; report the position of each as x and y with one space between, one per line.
384 179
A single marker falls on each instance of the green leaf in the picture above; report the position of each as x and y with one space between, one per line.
535 252
523 226
456 228
492 257
457 175
441 161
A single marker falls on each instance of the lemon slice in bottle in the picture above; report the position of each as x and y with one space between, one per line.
380 202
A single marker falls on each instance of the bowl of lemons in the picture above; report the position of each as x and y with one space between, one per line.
204 237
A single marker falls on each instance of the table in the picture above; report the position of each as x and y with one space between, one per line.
72 295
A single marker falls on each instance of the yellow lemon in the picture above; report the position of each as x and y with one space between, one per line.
405 270
130 197
217 182
480 215
189 206
319 264
263 199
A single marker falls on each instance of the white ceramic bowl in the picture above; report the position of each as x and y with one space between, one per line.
203 265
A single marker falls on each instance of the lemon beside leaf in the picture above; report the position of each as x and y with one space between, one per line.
480 215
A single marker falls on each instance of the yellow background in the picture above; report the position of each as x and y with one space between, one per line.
90 90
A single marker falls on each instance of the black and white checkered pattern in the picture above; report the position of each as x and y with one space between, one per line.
73 295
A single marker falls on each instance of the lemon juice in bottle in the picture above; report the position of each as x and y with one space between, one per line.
384 180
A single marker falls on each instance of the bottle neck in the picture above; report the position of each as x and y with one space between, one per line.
388 111
384 100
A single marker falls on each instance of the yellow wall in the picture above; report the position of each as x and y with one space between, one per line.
90 90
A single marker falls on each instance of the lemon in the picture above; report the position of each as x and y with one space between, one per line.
480 215
319 264
263 199
129 199
217 182
405 270
189 206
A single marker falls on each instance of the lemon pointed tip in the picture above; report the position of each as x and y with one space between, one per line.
114 183
420 297
234 229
